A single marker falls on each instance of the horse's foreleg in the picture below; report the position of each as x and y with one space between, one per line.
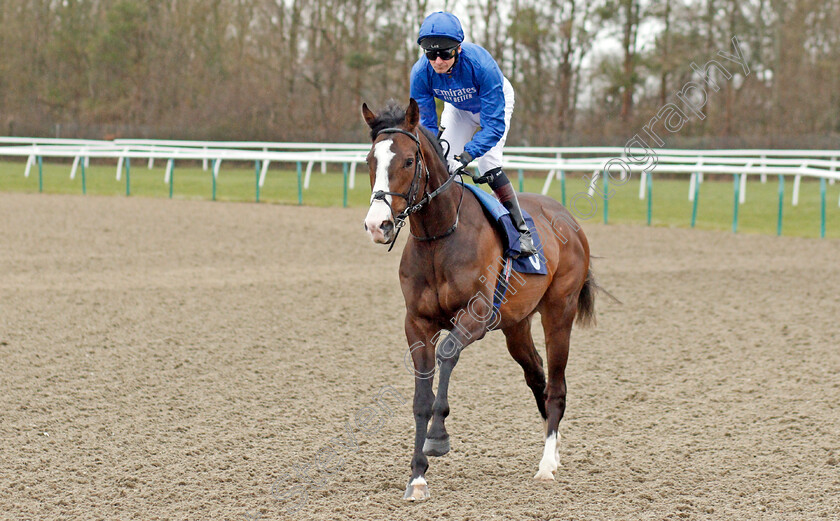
447 353
558 329
469 328
423 357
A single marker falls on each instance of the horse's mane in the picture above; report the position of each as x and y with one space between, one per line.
393 115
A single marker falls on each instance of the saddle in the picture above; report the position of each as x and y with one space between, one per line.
500 218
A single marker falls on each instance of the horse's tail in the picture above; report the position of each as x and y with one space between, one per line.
586 300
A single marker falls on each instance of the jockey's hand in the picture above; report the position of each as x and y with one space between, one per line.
454 165
465 158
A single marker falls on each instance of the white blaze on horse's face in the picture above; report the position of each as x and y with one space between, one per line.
379 213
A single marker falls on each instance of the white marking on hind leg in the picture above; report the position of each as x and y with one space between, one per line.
549 461
557 450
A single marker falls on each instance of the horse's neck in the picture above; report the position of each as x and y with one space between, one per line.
440 214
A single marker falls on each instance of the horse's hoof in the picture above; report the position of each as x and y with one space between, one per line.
418 492
544 476
436 447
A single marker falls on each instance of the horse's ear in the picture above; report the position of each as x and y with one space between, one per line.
369 116
412 114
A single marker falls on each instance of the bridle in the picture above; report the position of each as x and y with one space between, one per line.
419 167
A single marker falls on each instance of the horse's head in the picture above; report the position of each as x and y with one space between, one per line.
395 167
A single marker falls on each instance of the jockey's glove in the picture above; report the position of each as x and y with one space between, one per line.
453 165
465 158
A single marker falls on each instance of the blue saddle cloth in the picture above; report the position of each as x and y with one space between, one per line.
500 218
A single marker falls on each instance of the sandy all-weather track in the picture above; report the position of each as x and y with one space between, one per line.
177 359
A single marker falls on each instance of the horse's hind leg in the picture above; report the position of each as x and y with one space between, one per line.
557 318
520 344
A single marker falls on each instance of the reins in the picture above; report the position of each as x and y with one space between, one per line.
420 166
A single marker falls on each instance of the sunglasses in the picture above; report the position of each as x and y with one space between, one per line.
445 54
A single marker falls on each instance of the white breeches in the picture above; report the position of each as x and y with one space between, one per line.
460 125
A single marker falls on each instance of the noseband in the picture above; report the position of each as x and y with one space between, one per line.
419 167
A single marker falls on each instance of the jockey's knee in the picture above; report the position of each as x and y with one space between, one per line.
496 178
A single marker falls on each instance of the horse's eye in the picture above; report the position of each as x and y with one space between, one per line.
409 162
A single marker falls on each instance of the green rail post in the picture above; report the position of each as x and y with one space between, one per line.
563 187
606 198
696 197
737 180
127 164
649 196
40 174
213 176
822 207
84 183
344 170
257 175
127 181
521 181
300 187
171 177
781 204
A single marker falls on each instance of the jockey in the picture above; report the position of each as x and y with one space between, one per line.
475 94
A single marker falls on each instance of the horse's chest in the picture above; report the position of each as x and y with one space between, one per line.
441 298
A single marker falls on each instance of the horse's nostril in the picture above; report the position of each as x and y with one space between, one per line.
365 225
387 226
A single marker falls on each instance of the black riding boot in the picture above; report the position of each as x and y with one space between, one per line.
526 242
502 188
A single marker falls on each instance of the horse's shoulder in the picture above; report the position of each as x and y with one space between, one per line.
420 294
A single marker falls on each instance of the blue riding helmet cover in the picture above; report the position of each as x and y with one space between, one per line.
441 24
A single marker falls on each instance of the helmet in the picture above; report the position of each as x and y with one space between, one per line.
440 30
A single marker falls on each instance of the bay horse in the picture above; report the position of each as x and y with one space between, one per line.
451 245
